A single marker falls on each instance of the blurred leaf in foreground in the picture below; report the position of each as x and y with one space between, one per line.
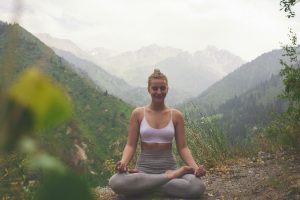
34 102
46 162
47 101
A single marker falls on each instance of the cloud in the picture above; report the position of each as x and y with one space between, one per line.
246 28
70 23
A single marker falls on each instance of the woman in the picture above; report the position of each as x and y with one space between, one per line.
157 125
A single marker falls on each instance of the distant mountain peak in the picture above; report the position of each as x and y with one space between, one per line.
46 36
103 52
63 44
3 23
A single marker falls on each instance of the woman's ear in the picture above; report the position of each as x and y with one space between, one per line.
148 88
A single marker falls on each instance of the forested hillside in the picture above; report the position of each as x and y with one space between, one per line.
245 100
99 119
252 110
239 81
100 77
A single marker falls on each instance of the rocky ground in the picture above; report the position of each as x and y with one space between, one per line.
266 176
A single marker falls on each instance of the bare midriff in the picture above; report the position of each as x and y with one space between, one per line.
156 146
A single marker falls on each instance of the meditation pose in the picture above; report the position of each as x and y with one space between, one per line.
157 125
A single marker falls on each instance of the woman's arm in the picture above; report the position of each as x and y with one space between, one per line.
133 135
182 148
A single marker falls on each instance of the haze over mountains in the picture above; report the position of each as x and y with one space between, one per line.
241 80
113 84
188 74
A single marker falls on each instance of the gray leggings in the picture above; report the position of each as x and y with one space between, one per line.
188 186
153 178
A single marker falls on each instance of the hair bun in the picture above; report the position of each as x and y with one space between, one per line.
157 75
156 70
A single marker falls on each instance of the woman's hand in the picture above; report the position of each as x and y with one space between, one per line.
200 171
121 166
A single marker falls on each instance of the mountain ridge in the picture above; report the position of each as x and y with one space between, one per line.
99 119
135 66
240 80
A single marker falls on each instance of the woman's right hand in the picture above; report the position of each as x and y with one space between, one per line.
121 166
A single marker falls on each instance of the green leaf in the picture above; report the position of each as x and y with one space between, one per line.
46 162
47 100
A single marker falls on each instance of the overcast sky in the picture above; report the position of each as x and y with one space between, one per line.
246 28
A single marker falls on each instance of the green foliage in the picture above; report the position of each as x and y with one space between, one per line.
109 166
15 122
240 119
47 101
63 186
251 110
58 182
33 107
291 77
206 140
284 131
286 6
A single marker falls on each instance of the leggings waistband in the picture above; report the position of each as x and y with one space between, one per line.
155 162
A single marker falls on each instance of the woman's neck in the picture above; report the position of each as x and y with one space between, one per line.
157 106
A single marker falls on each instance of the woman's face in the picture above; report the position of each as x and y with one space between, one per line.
158 89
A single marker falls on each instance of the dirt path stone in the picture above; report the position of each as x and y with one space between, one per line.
266 176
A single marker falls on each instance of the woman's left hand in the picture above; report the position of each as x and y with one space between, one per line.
200 171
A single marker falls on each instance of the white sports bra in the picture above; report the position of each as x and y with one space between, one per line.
155 135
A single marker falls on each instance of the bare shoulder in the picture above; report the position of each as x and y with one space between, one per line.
177 115
138 113
177 112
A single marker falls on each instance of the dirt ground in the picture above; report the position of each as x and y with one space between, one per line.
266 176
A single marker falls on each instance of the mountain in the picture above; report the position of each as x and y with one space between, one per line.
100 77
85 63
241 115
193 73
189 73
221 61
63 44
244 100
100 54
137 96
237 82
143 58
99 119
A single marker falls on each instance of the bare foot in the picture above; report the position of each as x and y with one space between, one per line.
179 172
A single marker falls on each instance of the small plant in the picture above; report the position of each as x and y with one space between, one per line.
206 140
284 130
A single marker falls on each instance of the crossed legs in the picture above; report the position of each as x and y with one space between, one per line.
175 183
187 186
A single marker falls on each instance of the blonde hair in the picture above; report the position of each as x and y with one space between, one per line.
157 75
